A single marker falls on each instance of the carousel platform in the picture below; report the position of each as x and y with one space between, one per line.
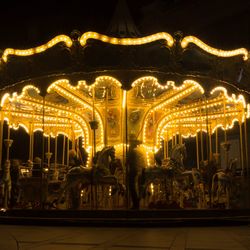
127 218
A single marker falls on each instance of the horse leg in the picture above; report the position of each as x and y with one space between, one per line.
213 191
61 193
75 195
5 198
227 198
133 191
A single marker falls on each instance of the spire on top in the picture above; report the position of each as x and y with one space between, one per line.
122 24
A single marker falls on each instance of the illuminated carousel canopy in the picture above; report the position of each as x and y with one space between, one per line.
90 55
179 82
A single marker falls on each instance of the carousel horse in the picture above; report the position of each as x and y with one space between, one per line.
175 164
5 184
222 184
102 173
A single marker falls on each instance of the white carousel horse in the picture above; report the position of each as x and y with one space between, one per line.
102 173
175 163
222 184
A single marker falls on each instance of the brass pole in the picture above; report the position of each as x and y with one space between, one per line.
49 150
216 140
55 153
31 142
246 143
241 148
225 121
78 146
8 148
121 127
210 144
125 108
1 138
154 112
67 151
93 119
201 135
167 146
56 142
43 137
216 145
32 137
202 153
63 155
197 150
180 137
106 118
225 131
73 145
207 134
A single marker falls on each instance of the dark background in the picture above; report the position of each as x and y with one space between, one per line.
220 23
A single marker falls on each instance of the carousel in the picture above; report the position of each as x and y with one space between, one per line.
90 121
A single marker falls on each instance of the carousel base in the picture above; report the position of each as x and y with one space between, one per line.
126 218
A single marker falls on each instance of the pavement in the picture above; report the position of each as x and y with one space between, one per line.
13 237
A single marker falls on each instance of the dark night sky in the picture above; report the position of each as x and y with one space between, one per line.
221 23
25 23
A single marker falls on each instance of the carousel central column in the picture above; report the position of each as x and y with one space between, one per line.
125 141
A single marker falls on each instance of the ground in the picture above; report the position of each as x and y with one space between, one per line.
168 238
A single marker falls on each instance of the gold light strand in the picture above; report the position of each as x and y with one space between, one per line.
217 52
240 101
188 87
127 41
64 88
28 52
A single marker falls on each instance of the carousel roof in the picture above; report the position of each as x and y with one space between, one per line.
90 55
